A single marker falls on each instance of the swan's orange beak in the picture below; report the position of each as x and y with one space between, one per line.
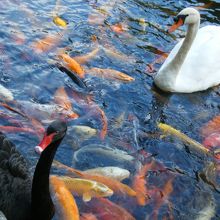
47 139
179 23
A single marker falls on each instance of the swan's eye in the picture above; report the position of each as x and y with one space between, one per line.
180 17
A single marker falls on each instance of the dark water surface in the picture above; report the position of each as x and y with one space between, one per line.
132 109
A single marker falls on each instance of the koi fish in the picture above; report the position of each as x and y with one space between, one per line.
119 28
114 53
213 140
110 74
139 184
116 173
62 99
104 122
115 185
163 198
212 126
45 112
59 21
84 132
72 64
107 210
103 153
64 201
151 68
46 44
86 188
167 129
85 58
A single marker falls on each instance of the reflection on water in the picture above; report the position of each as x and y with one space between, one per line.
129 35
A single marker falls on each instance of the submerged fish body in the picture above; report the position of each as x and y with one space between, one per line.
86 188
72 64
110 74
103 156
44 112
116 173
83 131
65 204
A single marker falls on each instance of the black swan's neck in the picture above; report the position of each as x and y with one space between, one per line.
41 203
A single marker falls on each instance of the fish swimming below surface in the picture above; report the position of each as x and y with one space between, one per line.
104 156
83 132
86 188
65 204
113 184
116 173
110 74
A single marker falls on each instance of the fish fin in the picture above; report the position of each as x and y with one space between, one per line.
86 197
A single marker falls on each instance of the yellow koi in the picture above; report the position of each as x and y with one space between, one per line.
59 21
86 188
167 129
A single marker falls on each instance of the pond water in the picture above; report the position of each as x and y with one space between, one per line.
130 35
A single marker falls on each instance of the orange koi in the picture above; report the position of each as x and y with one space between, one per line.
115 185
213 126
46 44
104 123
85 58
139 184
66 205
62 99
12 109
107 210
151 68
72 64
119 28
110 74
163 197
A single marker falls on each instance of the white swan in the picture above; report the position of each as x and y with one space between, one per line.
194 63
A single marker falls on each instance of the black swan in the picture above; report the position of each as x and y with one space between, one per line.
22 198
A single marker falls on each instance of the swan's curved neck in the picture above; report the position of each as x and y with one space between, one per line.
178 60
41 202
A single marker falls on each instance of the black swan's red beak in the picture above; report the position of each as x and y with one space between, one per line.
56 130
47 139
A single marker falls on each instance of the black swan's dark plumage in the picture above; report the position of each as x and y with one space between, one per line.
20 197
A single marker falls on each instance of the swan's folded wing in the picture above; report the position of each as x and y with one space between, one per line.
11 161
